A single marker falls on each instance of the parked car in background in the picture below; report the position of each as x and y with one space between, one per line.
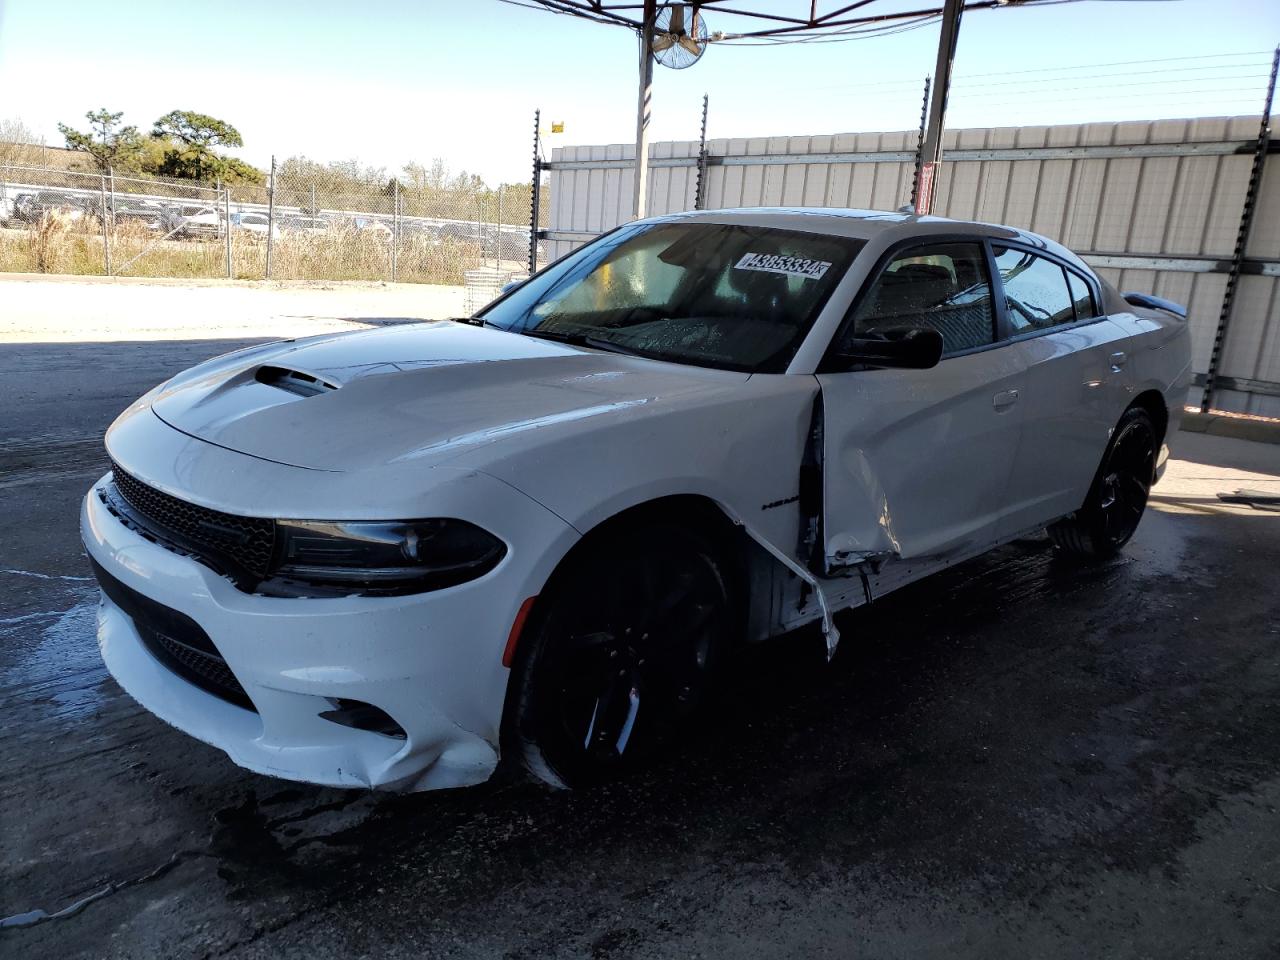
372 225
200 224
31 207
423 230
314 226
462 231
380 558
148 213
254 224
174 219
513 244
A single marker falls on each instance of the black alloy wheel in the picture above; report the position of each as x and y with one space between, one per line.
623 655
1118 497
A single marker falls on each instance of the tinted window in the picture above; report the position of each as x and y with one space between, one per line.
1081 296
712 294
1035 290
942 287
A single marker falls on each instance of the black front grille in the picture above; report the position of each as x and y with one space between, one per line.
176 641
244 542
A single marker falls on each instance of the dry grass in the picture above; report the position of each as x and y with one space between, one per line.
59 245
348 254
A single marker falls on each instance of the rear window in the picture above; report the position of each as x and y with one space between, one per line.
1035 290
1082 296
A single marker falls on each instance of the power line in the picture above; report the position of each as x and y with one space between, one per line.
1260 68
1107 88
1069 74
914 84
1119 63
1119 96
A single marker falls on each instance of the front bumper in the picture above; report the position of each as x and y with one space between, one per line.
432 662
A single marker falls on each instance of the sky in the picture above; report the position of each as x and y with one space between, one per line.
392 81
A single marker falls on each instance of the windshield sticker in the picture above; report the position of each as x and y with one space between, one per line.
791 266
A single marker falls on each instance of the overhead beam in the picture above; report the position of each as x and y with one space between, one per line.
828 21
862 21
813 22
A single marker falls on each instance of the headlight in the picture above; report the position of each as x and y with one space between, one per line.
398 556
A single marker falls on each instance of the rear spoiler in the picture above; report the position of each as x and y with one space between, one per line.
1155 303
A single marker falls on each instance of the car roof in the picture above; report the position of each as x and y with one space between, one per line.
887 226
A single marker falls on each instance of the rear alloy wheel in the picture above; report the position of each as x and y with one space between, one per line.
1119 493
622 653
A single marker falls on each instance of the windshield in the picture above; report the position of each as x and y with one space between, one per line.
711 294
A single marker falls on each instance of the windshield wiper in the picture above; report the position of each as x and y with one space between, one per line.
585 340
558 337
612 346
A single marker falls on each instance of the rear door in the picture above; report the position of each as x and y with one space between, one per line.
1076 382
916 462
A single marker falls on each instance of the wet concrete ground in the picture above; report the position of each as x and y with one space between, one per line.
1021 757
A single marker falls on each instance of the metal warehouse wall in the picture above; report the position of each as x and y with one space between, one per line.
1153 206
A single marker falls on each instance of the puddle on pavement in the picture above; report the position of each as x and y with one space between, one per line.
61 671
1159 547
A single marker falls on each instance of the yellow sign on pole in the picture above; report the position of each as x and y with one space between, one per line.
557 126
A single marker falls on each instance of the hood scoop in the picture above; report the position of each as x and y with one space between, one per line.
296 382
435 391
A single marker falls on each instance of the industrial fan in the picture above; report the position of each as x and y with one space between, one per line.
679 36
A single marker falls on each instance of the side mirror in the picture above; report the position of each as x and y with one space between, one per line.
509 286
909 348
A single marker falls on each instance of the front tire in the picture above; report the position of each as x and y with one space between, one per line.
1118 497
623 649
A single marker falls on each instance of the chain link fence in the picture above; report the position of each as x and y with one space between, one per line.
305 223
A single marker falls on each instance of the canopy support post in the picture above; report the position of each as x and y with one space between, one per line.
931 154
638 208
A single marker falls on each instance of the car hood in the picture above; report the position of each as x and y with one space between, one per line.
431 390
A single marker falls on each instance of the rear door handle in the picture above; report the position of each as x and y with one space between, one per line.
1005 398
1118 360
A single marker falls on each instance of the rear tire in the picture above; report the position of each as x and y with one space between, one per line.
622 650
1118 496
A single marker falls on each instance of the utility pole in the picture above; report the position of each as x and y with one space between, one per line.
931 154
642 109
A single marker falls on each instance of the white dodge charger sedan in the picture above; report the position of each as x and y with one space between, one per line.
380 558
